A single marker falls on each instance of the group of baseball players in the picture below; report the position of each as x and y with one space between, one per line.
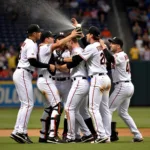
64 70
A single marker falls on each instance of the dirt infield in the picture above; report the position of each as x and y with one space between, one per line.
122 132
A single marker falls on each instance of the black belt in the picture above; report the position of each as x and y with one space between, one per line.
73 79
57 79
42 76
25 69
121 81
61 78
100 74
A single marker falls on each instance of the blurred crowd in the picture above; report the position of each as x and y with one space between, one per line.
8 60
93 11
139 17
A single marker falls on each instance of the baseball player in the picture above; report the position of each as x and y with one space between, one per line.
62 79
63 84
46 85
124 89
22 78
78 91
100 84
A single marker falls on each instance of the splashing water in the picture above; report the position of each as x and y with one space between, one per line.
44 12
52 17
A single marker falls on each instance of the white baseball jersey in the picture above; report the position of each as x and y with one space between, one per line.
23 83
121 68
123 91
80 70
95 59
65 54
44 57
29 49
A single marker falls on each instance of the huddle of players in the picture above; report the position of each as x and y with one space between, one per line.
68 74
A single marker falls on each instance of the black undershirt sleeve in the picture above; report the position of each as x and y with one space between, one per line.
110 58
52 60
75 61
35 63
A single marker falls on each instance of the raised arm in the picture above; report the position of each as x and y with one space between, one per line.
109 56
63 41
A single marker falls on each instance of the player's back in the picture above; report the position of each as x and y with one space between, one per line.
95 59
29 50
121 69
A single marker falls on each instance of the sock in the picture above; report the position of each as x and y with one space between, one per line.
89 124
65 127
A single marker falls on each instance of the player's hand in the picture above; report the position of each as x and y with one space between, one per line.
76 33
57 67
102 44
52 67
59 60
74 22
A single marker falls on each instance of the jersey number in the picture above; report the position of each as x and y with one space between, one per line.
128 67
103 59
23 44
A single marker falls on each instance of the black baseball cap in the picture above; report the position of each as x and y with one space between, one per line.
60 35
116 40
33 28
94 30
46 34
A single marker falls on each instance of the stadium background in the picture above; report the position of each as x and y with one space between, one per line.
129 20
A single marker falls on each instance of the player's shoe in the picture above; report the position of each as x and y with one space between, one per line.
14 137
114 136
54 140
69 141
138 139
100 140
64 137
78 140
87 138
108 140
42 140
24 137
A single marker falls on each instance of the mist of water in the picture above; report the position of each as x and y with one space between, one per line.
51 16
45 12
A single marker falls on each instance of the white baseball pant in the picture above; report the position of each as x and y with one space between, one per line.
98 104
120 100
78 91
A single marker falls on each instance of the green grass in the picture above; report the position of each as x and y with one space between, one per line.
140 115
123 144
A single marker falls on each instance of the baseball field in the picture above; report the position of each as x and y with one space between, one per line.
141 116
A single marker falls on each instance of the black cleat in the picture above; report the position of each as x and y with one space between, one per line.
64 137
138 139
99 140
24 137
14 137
114 137
54 140
87 138
78 140
69 141
42 140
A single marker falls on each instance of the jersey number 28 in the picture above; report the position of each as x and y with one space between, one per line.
103 59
